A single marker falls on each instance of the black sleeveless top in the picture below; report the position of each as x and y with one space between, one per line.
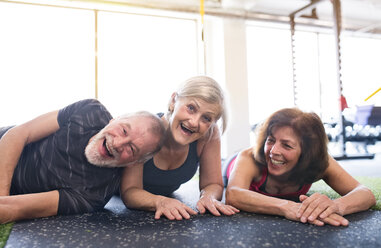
165 182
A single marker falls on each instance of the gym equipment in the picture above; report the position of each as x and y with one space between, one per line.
342 137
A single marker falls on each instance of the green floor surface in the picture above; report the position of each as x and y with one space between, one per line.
373 183
5 230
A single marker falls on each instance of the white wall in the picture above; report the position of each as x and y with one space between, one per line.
225 51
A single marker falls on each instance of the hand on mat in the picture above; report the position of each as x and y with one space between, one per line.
291 213
334 220
173 209
319 206
214 206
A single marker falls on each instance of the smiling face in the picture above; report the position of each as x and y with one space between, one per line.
191 118
282 151
122 142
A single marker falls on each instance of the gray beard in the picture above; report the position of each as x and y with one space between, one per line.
93 156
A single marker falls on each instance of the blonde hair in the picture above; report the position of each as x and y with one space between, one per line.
208 90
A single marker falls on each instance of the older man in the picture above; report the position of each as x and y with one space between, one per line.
71 160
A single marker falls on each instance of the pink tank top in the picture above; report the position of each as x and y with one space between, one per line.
256 186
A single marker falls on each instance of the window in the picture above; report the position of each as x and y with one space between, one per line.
47 59
142 60
269 71
360 67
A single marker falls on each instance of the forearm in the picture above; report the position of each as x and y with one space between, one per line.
29 206
11 146
250 201
359 199
138 198
212 190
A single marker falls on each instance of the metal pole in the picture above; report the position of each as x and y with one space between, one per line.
337 31
96 53
294 88
292 17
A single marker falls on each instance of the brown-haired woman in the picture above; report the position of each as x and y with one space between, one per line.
274 176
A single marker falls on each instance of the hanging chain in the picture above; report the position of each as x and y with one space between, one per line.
293 57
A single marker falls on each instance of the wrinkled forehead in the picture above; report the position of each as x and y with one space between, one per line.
141 130
133 125
145 125
146 140
214 108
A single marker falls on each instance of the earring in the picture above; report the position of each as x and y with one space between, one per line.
170 110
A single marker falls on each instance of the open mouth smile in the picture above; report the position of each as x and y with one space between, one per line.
107 149
277 162
186 129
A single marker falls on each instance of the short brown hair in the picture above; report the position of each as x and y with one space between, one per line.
313 160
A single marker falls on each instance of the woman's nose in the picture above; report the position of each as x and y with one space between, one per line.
274 149
194 121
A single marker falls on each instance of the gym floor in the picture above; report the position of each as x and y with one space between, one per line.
117 226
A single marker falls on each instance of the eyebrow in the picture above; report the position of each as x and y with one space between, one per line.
195 102
290 142
283 140
198 106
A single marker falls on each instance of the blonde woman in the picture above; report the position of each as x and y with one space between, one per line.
192 140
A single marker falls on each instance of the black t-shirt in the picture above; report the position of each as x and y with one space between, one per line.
58 162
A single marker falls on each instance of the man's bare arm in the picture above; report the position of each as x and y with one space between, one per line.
28 206
14 140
